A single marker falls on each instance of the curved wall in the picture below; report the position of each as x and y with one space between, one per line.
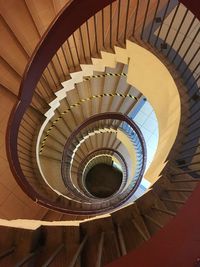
147 73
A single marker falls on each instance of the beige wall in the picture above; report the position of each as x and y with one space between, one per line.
147 73
14 203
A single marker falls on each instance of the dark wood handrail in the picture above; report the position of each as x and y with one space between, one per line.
59 30
93 152
113 116
101 149
51 41
30 79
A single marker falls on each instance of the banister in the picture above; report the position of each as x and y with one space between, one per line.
29 83
96 151
54 37
50 42
105 116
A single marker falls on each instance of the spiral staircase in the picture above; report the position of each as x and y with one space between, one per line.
74 76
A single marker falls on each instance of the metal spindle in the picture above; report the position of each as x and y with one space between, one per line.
65 58
152 24
111 25
77 254
88 37
76 48
188 49
145 17
95 33
7 252
183 40
189 63
118 19
82 43
171 23
135 18
192 73
48 70
54 255
163 18
70 52
60 64
126 21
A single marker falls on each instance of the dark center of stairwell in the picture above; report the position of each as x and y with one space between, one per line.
103 180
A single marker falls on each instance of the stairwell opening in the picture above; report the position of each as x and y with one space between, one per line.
103 180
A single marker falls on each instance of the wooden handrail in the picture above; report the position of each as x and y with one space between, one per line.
47 47
104 116
50 42
93 152
31 80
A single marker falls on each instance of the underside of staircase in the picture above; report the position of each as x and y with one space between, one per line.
69 96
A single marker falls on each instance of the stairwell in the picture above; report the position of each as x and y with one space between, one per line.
77 239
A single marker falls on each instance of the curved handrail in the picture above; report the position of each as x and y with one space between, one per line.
105 116
47 47
84 162
55 36
93 152
98 158
13 160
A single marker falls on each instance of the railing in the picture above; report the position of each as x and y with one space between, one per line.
36 66
182 222
112 120
96 160
136 143
136 24
84 165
